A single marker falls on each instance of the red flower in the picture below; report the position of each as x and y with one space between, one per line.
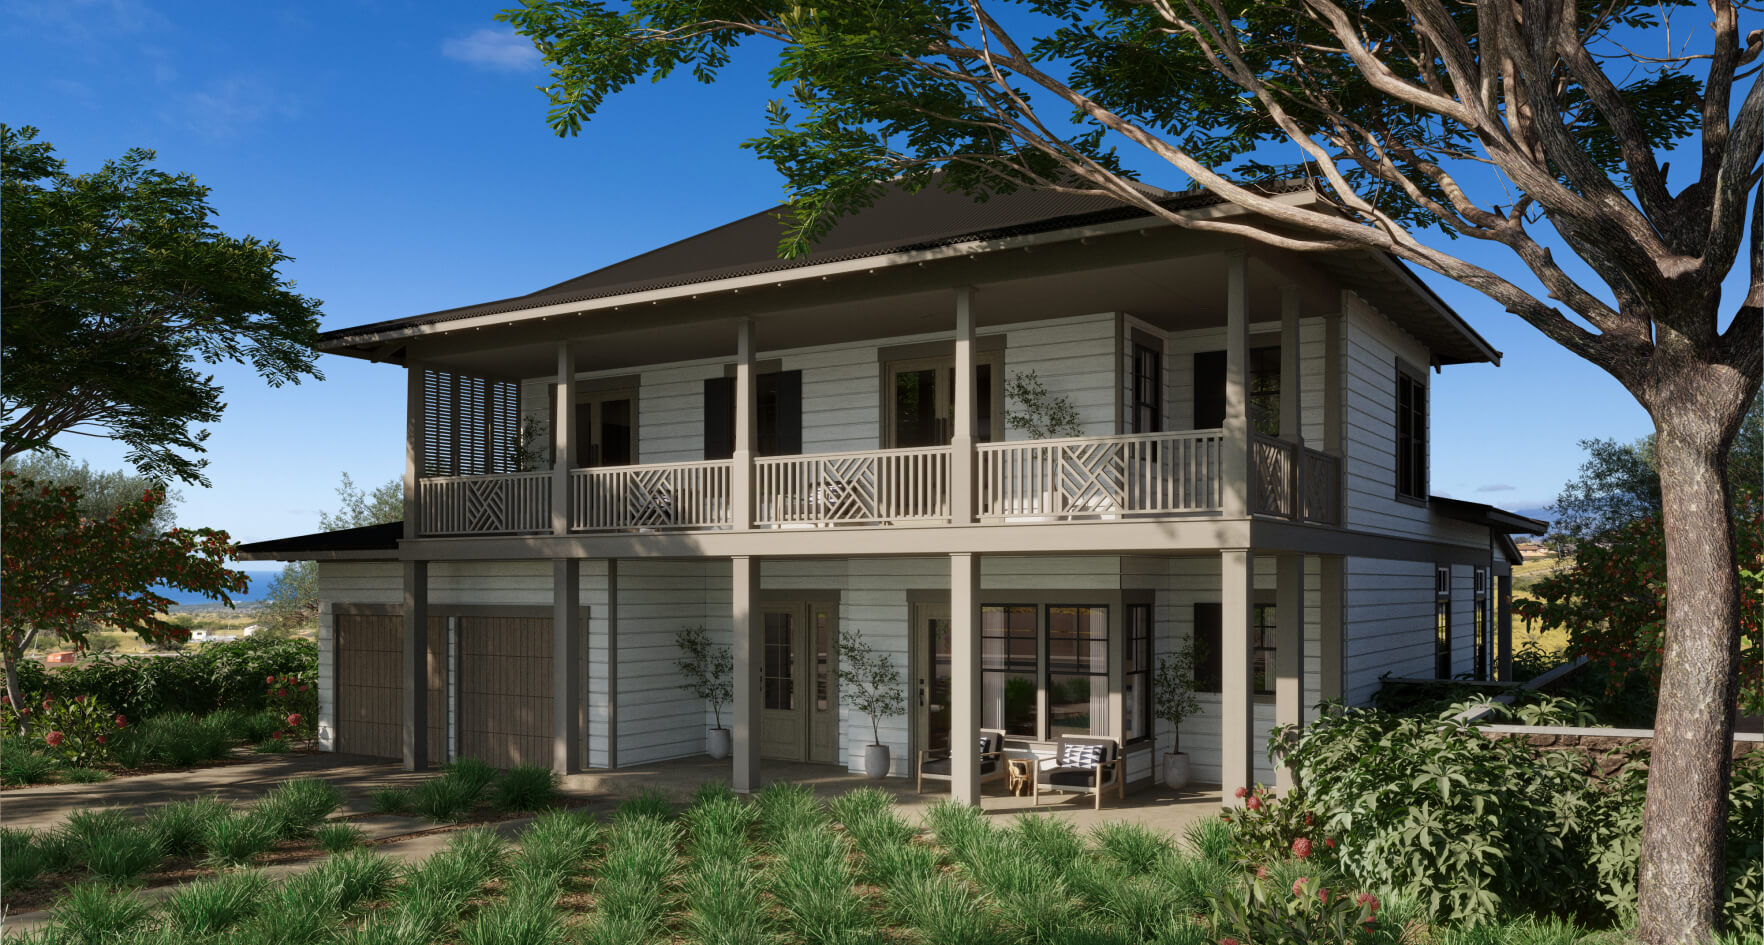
275 734
1228 941
281 692
5 700
303 688
1329 842
1323 894
1367 899
121 722
1298 886
1254 803
1242 791
79 699
294 720
54 739
1261 872
47 703
100 739
1301 847
269 680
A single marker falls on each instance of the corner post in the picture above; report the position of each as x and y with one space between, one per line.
1504 627
961 442
1235 463
563 438
746 424
413 448
413 672
1237 766
964 673
745 623
566 658
1291 398
1289 652
1331 652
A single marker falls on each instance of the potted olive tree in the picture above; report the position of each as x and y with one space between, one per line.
1173 692
870 684
709 674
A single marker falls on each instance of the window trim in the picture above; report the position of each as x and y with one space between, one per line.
1152 399
1043 670
942 364
1442 616
1417 378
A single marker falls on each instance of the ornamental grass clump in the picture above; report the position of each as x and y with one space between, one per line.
721 887
233 840
525 788
811 880
20 765
390 800
633 887
527 917
335 838
555 845
444 799
211 906
1135 848
122 854
98 913
942 911
475 774
21 859
291 809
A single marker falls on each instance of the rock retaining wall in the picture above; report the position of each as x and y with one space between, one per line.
1605 748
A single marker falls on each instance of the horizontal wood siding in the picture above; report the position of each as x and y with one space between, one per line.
1388 625
840 390
1073 358
657 719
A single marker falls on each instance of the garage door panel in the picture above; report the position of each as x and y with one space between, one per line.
505 690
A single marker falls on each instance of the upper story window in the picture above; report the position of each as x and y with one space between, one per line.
777 404
1411 433
1148 390
1264 392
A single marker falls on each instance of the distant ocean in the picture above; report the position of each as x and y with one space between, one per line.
260 582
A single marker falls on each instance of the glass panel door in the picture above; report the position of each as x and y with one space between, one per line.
920 417
606 429
780 663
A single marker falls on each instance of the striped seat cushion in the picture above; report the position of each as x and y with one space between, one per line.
1081 756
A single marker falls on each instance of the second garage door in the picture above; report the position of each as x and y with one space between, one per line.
505 690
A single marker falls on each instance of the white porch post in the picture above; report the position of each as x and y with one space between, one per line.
1291 402
413 448
563 438
566 659
1289 650
964 675
1504 627
741 476
961 442
413 672
746 624
1235 462
1330 656
1237 661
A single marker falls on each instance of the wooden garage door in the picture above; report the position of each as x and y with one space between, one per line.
370 715
505 690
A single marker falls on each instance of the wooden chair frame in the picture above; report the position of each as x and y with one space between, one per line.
1001 770
1114 766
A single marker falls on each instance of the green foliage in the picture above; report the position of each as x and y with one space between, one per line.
293 699
176 740
1307 911
525 788
868 681
1173 691
212 906
117 284
80 730
453 795
180 826
337 837
22 860
85 775
99 913
555 844
474 773
390 800
101 493
291 600
292 808
226 675
20 764
122 853
1040 415
708 669
1135 848
1473 827
234 839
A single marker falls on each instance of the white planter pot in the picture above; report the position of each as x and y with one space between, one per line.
716 743
1176 769
876 761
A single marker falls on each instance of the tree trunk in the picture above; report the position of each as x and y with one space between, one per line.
1681 874
13 692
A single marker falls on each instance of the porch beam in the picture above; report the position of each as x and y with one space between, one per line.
1237 661
746 424
1234 460
745 622
563 438
961 443
964 674
413 674
1289 651
566 660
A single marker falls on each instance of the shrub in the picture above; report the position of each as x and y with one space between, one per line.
555 842
21 765
211 906
179 827
335 838
525 787
356 876
526 917
1300 913
1135 847
99 912
390 800
79 730
233 840
1270 828
476 775
293 808
212 676
1471 826
21 859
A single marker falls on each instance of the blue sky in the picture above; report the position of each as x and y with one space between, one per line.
399 152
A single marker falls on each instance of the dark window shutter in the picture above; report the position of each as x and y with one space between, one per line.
787 419
1209 390
719 417
1209 667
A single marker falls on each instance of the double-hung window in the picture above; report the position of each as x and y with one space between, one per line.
1148 390
1137 695
1411 434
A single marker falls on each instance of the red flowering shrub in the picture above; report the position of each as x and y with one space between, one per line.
296 700
75 729
1269 828
1254 911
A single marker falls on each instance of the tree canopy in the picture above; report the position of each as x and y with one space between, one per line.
291 600
101 492
117 289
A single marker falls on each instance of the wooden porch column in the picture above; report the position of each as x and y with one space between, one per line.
1237 660
1289 650
964 676
1234 462
746 424
563 438
566 659
1504 626
746 623
961 442
413 673
612 663
1330 652
1291 397
413 447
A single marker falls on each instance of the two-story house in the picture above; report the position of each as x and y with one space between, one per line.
778 449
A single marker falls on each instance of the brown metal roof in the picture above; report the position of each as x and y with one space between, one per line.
367 541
